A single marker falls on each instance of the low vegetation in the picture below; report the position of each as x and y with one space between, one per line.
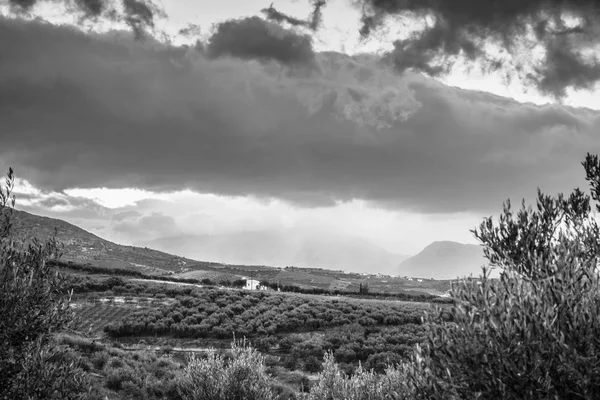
240 376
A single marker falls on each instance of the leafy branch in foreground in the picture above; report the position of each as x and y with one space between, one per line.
34 304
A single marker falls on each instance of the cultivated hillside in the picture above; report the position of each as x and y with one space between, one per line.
444 260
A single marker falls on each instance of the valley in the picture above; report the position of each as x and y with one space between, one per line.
293 331
131 303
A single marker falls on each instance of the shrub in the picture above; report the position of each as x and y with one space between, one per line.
362 385
535 332
100 359
243 377
166 349
312 364
117 377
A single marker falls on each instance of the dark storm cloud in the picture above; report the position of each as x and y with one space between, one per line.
106 111
191 30
313 21
274 15
255 38
567 31
139 15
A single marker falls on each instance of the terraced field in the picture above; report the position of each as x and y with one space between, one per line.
92 316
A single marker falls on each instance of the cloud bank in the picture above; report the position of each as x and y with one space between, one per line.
550 44
253 38
91 110
139 15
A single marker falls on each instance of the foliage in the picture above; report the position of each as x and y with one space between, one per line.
242 377
223 313
33 305
362 385
123 374
363 292
117 272
374 347
535 332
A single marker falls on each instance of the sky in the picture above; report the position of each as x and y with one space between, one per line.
240 135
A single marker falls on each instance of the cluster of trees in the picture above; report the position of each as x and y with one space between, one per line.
224 313
373 347
363 293
70 265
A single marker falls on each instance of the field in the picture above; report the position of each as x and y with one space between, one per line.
293 330
303 279
164 318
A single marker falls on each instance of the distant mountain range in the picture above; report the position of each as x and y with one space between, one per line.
285 248
444 260
439 260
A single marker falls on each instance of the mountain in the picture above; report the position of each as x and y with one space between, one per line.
351 254
444 260
83 247
284 247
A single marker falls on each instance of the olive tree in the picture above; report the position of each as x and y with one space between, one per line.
33 306
533 333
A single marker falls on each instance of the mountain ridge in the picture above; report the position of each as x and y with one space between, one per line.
444 260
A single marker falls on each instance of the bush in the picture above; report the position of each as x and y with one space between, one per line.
117 377
100 359
243 377
535 332
334 384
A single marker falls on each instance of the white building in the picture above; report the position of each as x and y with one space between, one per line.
252 284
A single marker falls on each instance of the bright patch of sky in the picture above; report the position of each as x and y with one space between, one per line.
116 198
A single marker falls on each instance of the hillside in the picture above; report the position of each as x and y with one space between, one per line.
84 247
444 260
